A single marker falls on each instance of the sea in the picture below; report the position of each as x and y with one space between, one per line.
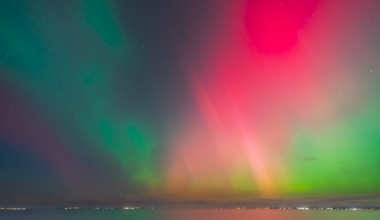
190 214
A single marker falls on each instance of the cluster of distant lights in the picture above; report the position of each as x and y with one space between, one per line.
127 207
352 209
13 209
307 208
131 207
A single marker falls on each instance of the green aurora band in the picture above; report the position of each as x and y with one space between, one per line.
134 125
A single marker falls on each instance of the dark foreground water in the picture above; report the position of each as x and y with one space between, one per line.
188 214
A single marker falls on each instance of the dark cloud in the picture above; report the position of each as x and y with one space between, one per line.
6 199
167 195
310 159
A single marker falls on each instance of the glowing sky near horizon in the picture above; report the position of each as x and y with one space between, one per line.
217 100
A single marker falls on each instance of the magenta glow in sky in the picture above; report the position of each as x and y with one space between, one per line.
279 87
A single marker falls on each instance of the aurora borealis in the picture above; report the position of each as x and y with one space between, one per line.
181 101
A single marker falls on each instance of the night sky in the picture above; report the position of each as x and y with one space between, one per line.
194 103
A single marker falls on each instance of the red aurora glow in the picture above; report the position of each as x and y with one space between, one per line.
257 86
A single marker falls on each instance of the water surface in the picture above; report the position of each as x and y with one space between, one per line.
189 214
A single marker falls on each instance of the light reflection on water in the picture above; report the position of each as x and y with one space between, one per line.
189 214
